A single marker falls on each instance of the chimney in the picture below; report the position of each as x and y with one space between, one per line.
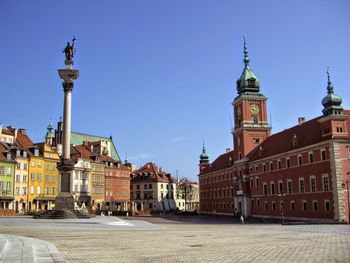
85 143
227 150
301 120
23 131
16 131
0 128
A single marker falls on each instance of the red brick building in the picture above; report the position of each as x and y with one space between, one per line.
117 184
299 173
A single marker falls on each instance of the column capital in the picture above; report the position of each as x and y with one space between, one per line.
67 86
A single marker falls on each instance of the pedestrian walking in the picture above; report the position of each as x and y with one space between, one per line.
242 219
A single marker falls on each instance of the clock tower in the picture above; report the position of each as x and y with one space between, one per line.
249 108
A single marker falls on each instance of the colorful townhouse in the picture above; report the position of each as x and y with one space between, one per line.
7 169
49 182
21 179
117 185
81 176
35 181
152 189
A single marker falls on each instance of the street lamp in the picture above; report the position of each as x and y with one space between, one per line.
282 195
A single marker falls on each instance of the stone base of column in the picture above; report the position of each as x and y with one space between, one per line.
64 201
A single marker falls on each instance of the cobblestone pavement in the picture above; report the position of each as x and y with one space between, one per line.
109 239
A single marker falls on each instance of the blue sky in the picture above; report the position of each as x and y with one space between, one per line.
160 75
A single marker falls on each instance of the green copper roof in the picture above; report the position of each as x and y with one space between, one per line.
204 158
332 102
49 133
78 138
248 82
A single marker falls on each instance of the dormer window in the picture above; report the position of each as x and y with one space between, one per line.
295 140
36 152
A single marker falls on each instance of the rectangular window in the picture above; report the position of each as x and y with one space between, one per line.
279 164
257 181
327 206
17 190
265 205
272 188
9 170
24 178
288 162
53 178
271 166
47 166
289 185
53 190
33 163
300 159
38 190
264 167
292 205
39 177
46 190
8 186
39 164
47 178
325 183
24 190
1 185
313 184
280 187
273 205
2 170
18 177
18 166
32 176
32 189
251 182
311 157
304 205
265 189
301 185
25 166
314 205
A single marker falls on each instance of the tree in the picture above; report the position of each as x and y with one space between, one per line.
186 190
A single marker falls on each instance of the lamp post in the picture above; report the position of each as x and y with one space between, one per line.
347 190
282 195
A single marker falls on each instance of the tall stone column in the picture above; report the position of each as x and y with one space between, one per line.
65 199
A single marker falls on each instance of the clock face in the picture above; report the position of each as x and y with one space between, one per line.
254 109
239 110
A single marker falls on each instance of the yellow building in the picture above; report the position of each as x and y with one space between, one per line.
49 180
35 180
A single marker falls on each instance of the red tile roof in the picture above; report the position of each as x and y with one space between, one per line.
307 134
23 140
223 161
154 172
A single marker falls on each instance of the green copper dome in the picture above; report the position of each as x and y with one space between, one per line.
49 133
332 102
248 82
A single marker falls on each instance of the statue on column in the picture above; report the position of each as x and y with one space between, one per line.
69 50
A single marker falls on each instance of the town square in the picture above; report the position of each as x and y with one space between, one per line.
163 131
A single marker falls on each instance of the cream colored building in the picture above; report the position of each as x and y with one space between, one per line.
152 189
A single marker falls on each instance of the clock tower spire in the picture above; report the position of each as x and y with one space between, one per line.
250 113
